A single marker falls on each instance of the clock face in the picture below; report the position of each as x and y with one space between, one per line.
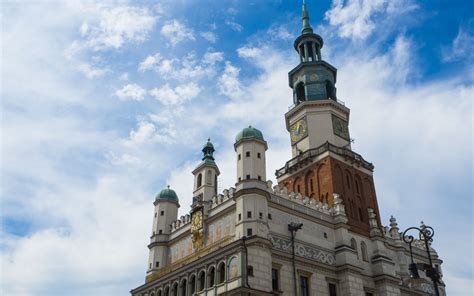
196 221
299 130
340 127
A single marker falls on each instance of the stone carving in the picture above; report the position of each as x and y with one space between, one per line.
338 208
301 250
394 230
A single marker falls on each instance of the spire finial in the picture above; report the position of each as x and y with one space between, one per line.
306 25
208 150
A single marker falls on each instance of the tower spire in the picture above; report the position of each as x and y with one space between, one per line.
306 25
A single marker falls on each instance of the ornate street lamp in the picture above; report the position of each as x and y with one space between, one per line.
425 233
293 228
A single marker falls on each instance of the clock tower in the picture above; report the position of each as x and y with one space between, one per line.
323 162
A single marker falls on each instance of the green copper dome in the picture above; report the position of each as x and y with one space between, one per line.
249 133
167 194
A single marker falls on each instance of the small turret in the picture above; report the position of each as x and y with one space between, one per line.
166 211
250 147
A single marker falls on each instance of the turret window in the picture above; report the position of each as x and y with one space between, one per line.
239 157
300 92
259 178
249 232
247 154
160 231
248 177
157 264
259 155
249 214
162 213
156 214
199 180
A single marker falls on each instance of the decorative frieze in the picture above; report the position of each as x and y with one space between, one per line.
302 250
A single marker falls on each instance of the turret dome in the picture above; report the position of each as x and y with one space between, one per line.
249 133
167 194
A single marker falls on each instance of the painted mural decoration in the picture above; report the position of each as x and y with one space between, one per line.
234 267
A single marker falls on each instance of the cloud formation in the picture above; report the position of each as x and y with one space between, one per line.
176 32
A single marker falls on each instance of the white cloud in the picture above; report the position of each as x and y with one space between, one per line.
150 62
189 66
124 76
249 52
356 19
111 27
176 32
209 36
461 47
212 58
234 25
131 92
90 71
176 96
144 132
229 83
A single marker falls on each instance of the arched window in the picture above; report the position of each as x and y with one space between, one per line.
201 280
354 246
174 290
300 92
209 177
309 45
167 291
221 273
357 187
192 284
363 250
199 181
184 286
152 294
159 293
210 277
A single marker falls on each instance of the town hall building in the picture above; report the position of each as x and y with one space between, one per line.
317 231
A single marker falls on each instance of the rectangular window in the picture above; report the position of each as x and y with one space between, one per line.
240 217
157 264
332 290
260 215
160 231
304 286
248 177
369 294
250 270
162 213
249 214
259 178
259 155
269 216
239 157
247 154
275 283
249 232
156 214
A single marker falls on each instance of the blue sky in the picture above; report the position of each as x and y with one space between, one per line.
104 104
